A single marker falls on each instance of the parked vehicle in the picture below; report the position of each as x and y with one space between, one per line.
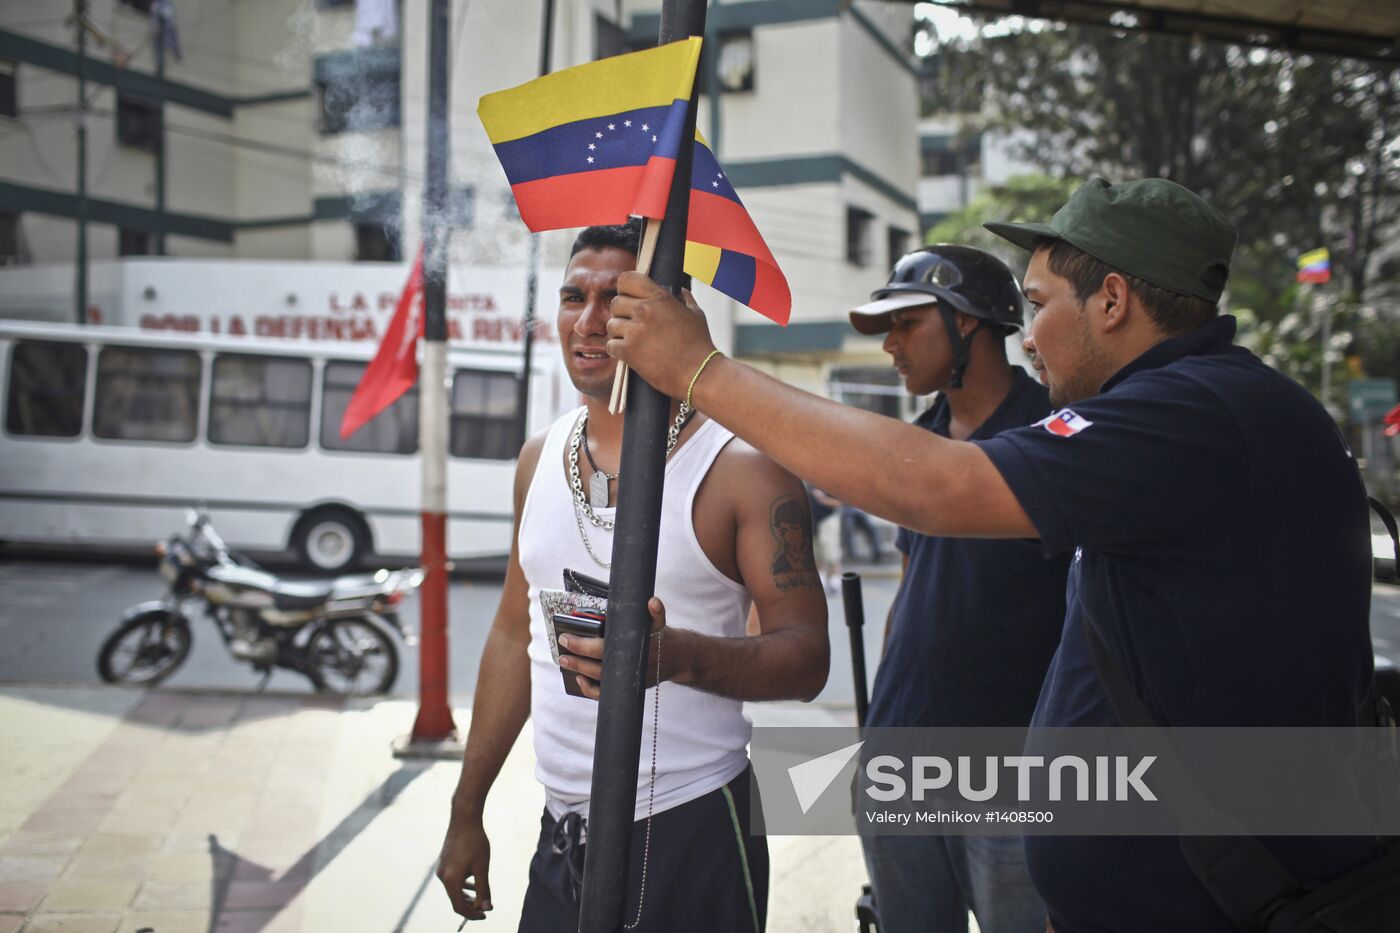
111 433
335 632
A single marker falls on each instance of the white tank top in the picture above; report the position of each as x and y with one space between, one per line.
704 738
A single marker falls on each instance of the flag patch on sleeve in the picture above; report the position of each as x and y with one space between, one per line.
1065 423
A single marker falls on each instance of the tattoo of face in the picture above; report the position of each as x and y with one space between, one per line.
790 520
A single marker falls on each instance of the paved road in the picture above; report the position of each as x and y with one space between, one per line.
55 613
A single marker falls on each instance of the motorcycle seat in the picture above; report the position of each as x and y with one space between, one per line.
298 597
289 597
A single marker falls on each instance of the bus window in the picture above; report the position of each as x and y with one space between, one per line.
393 431
260 401
46 389
147 395
484 415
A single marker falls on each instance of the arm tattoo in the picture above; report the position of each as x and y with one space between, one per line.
790 520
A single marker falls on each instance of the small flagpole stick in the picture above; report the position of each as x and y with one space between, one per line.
618 402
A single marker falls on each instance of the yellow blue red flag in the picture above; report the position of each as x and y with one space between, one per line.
723 247
596 143
1315 266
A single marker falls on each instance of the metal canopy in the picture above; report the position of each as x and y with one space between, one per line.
1351 28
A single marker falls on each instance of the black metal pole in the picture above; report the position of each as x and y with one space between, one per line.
532 273
435 186
618 740
854 603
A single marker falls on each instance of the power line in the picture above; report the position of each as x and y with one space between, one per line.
288 152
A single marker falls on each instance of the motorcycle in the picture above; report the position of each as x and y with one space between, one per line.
334 632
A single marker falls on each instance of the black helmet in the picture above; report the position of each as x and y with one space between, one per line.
959 278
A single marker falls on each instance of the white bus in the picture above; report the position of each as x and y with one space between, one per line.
109 434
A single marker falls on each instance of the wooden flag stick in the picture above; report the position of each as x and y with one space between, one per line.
617 403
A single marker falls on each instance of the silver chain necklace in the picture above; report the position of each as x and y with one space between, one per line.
582 506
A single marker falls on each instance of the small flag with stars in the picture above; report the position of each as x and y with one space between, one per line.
596 143
1065 423
723 247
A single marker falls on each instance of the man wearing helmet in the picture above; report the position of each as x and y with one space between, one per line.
962 648
1219 525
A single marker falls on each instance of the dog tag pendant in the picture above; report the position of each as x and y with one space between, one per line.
598 490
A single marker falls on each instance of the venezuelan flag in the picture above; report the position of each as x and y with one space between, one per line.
1315 266
595 143
723 247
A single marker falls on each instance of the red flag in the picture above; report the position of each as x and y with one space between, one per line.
394 369
1392 422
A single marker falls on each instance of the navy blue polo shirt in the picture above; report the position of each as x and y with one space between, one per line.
976 620
1221 545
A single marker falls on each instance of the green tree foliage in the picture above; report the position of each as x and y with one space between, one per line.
1299 151
1023 198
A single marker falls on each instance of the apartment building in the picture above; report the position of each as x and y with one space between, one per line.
294 130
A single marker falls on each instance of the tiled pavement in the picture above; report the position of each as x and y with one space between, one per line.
168 812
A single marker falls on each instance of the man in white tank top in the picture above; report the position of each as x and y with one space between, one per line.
727 542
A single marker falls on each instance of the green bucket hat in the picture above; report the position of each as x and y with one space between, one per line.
1152 228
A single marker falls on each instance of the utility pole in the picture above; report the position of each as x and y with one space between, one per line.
618 741
532 274
1323 308
433 724
80 291
160 139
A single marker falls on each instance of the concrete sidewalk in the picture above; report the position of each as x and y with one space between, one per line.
184 812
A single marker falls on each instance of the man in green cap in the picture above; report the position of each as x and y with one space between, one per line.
1218 526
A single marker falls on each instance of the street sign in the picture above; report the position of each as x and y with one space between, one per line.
1370 399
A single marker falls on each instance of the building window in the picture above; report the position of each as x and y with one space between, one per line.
898 243
735 66
608 38
260 401
45 394
393 431
9 238
377 242
859 223
138 123
358 91
134 242
9 92
940 162
485 415
147 395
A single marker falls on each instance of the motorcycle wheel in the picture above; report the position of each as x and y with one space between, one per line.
145 650
352 657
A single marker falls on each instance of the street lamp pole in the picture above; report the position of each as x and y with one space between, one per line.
433 723
80 291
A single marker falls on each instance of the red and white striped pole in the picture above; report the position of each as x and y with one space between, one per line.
433 724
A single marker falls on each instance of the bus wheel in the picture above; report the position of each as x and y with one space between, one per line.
330 540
